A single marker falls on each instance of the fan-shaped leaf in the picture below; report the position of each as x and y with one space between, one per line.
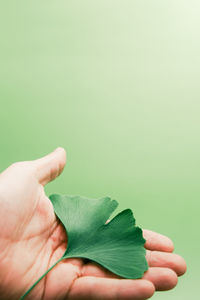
117 245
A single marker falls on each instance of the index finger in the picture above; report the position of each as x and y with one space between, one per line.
157 242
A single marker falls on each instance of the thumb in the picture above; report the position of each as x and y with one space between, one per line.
50 166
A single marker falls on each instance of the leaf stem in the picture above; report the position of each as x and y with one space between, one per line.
23 297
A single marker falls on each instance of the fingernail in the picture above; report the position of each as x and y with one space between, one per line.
57 149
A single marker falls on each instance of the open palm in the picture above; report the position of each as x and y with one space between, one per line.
32 240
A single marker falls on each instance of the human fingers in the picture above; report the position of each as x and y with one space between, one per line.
50 166
154 258
157 242
161 278
94 288
166 260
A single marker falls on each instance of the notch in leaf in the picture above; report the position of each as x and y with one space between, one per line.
118 245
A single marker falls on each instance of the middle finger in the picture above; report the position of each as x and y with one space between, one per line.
166 260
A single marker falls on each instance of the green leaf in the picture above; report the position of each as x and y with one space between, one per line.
118 245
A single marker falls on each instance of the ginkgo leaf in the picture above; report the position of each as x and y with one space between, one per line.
117 245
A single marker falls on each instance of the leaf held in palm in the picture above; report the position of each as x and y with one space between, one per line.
117 245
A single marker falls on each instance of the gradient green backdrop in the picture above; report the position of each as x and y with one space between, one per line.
117 84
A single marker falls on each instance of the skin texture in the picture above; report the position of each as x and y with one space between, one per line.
32 240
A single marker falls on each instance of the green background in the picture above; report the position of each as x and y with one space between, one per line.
116 83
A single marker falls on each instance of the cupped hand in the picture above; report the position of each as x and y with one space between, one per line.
32 240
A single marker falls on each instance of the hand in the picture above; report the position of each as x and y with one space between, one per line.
32 240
